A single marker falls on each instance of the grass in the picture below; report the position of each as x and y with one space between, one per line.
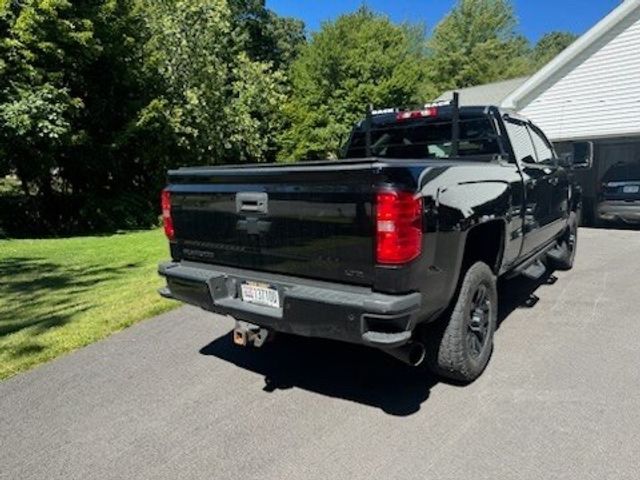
62 294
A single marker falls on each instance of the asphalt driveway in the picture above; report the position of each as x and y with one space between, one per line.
173 398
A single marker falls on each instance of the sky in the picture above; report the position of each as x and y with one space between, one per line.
536 17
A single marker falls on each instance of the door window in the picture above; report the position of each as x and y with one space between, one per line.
520 141
544 152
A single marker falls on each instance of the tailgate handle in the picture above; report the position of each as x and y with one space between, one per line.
252 202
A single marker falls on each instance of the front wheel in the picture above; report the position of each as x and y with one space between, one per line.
460 349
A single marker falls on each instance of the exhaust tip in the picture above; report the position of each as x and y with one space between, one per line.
417 354
413 353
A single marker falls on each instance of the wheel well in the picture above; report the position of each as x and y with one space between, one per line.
485 243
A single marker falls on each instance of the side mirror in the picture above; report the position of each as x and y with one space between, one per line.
582 156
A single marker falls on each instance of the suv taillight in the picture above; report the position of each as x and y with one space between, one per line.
166 214
398 227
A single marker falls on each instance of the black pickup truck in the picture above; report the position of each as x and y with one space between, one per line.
397 246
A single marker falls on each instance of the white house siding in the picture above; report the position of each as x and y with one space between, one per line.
598 98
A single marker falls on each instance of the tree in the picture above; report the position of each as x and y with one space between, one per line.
360 59
45 44
477 43
550 46
221 105
98 98
265 36
70 90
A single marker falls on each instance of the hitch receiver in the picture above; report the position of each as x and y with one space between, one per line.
246 333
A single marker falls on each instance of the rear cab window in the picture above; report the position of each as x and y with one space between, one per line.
426 138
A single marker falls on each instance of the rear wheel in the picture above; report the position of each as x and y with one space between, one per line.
461 348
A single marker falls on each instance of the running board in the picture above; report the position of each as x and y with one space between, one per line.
558 253
534 271
534 267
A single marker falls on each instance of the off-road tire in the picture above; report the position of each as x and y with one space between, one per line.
451 352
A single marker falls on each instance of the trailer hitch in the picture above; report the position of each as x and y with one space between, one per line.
246 333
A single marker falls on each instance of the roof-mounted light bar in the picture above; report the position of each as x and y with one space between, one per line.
385 111
425 107
439 103
427 111
415 114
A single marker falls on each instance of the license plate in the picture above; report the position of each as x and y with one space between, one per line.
631 189
260 294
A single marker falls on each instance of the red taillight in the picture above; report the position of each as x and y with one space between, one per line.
398 227
166 214
413 114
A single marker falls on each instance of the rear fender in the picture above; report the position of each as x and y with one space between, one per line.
464 207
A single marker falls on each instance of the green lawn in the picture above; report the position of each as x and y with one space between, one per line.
59 295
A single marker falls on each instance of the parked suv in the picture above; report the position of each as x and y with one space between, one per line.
620 194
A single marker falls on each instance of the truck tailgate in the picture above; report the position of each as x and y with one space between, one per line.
312 220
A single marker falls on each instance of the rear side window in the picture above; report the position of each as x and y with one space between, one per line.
520 140
426 139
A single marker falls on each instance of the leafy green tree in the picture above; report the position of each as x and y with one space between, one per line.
45 44
98 98
550 46
71 88
265 36
360 59
477 43
221 105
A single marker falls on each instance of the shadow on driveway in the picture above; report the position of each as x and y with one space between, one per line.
352 372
